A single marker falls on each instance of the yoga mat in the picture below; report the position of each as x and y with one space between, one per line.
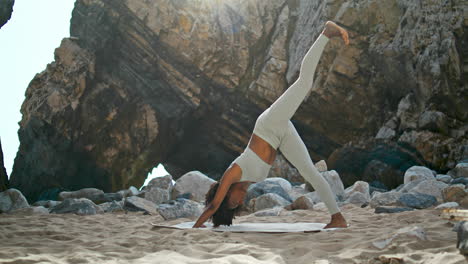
300 227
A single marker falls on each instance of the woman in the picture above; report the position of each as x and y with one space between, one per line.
273 130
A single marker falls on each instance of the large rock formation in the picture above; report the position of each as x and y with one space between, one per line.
3 173
182 82
6 8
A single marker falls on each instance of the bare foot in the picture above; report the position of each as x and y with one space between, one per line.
337 220
333 30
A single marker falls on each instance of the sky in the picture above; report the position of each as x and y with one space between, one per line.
27 44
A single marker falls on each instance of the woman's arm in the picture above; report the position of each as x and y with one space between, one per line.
233 174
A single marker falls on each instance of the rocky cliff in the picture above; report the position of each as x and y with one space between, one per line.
6 8
3 173
181 83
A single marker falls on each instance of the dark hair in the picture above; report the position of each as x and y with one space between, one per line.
224 215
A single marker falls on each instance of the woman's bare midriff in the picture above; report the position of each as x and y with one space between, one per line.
262 148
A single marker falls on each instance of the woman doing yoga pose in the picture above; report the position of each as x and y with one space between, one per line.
273 130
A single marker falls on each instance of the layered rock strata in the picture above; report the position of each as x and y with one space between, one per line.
182 82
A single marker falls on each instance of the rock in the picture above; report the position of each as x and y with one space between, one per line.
281 168
430 187
320 206
358 198
391 210
416 173
276 211
180 208
79 206
159 189
411 231
133 191
88 193
268 186
417 200
34 210
454 193
3 173
359 186
176 60
193 182
434 121
47 204
462 238
321 166
463 181
385 199
381 162
460 171
269 200
336 185
136 204
444 178
448 205
12 199
296 192
113 206
302 203
6 9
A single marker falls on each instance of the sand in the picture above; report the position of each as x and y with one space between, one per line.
130 238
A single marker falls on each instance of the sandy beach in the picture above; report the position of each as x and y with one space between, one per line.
130 238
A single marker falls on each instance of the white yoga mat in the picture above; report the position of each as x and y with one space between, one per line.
300 227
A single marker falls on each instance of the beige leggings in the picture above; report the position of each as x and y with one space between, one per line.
275 127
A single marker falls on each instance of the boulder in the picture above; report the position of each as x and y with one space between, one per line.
430 187
12 199
88 193
321 166
113 206
276 211
336 185
385 199
359 186
460 170
463 181
33 210
302 203
417 200
47 204
320 206
454 193
195 183
269 200
268 186
448 205
180 208
297 191
358 198
462 238
159 189
281 168
416 173
444 178
135 204
391 209
80 206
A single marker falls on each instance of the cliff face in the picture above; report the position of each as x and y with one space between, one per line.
6 8
3 173
182 82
